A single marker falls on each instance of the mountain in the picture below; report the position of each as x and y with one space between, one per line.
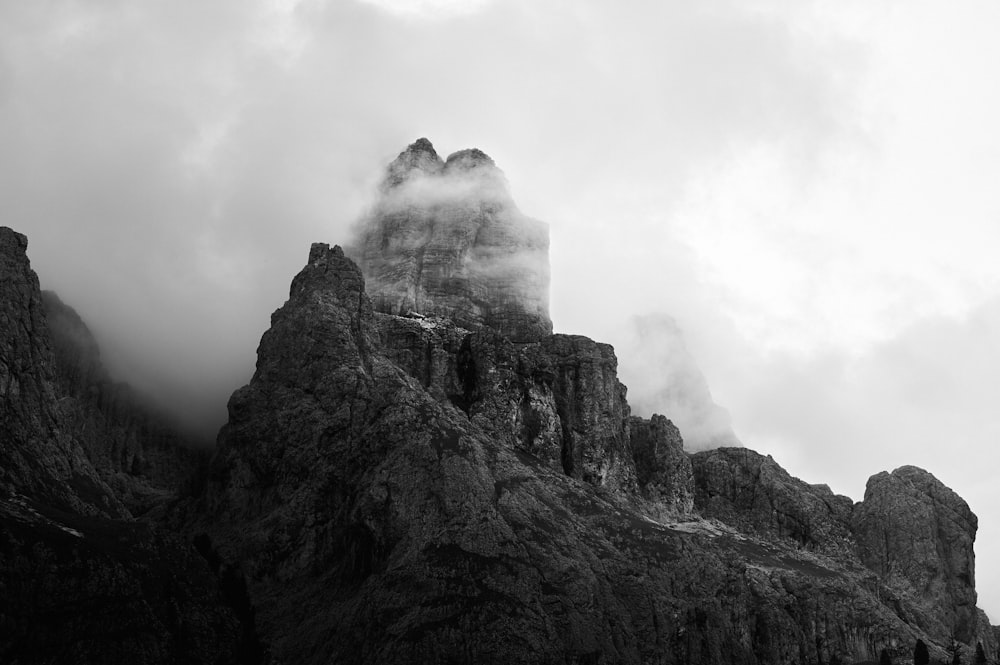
406 482
136 450
81 581
446 238
428 474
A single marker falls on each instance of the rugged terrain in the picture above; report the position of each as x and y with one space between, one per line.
419 471
80 580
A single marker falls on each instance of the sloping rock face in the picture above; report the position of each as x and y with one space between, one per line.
918 536
75 585
362 485
445 239
753 493
138 452
663 469
36 457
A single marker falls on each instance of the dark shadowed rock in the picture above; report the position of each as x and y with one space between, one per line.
662 468
754 494
445 239
558 399
37 457
918 535
75 585
364 484
592 410
136 450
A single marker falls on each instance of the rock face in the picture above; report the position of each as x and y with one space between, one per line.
77 586
918 535
390 485
663 469
751 492
431 476
558 399
446 239
136 451
37 458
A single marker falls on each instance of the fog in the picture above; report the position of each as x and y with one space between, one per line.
808 190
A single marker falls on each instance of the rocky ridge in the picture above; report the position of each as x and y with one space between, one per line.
80 580
442 484
392 486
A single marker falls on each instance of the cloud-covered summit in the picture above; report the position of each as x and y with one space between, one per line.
445 238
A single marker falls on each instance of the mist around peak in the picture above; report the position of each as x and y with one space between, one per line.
664 378
446 238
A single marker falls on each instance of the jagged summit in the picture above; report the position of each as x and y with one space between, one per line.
418 158
445 239
431 493
468 159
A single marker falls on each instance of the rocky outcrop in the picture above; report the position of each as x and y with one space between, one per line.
37 457
918 536
663 470
558 399
754 494
136 450
362 486
77 586
445 239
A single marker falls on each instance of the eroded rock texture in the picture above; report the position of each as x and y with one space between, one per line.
446 239
374 483
752 492
663 469
918 536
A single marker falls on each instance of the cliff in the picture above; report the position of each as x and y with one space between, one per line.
137 451
37 458
428 474
445 238
392 487
80 581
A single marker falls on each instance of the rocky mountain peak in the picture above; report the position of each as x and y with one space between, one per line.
468 159
918 535
445 239
419 158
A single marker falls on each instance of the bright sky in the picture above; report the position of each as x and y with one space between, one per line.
807 187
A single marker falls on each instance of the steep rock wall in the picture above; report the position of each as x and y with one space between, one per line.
444 238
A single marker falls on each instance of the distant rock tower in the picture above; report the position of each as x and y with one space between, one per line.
446 239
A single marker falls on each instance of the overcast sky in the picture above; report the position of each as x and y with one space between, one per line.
809 188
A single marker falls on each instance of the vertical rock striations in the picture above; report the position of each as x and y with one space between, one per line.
662 467
446 239
918 535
